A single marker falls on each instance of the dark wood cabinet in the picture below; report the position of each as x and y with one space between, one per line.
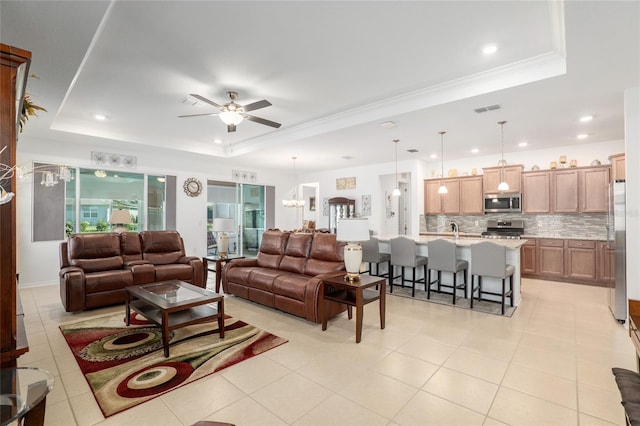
14 70
339 208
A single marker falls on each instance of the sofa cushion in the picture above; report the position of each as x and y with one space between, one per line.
272 248
291 285
161 247
174 271
94 252
296 253
629 384
262 278
325 247
315 267
130 246
108 280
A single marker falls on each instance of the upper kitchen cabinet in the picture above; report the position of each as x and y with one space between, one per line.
493 175
594 189
464 195
536 189
564 190
618 167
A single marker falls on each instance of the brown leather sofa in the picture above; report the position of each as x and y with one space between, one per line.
96 268
287 273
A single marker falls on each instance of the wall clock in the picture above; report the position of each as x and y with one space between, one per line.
192 187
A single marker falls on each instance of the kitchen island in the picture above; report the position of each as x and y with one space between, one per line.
463 251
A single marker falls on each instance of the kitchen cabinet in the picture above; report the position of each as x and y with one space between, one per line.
493 175
464 196
528 256
551 257
606 256
594 189
564 190
471 195
536 190
618 167
581 259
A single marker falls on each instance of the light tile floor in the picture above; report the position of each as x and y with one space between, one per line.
550 364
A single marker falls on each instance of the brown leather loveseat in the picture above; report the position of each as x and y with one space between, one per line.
287 273
96 268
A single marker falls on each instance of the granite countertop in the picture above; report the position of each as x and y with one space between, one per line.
463 241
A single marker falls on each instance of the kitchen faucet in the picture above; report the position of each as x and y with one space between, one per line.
454 228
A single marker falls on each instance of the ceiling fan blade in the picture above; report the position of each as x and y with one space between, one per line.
231 128
256 105
262 121
205 100
197 115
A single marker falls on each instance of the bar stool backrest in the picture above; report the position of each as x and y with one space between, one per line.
488 259
442 255
403 252
371 250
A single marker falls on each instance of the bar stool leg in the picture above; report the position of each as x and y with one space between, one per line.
504 284
454 287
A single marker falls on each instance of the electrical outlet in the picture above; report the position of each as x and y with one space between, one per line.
477 223
539 224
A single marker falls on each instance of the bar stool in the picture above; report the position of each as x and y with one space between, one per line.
442 258
371 254
490 260
403 254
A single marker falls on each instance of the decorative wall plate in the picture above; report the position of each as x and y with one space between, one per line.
192 187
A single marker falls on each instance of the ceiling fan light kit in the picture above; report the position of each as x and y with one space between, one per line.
233 114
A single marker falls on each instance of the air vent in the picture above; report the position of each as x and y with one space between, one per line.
412 150
346 157
487 108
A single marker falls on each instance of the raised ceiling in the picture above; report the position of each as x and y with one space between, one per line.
332 70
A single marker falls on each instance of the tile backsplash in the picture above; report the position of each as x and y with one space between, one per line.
572 226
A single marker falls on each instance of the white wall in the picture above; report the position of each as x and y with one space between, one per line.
632 144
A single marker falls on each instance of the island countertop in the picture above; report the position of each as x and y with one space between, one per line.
462 241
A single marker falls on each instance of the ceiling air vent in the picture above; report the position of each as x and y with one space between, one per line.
487 108
412 150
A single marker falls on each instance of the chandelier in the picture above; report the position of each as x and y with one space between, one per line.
294 202
51 175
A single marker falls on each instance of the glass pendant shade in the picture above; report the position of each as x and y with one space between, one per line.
443 190
396 192
231 117
503 186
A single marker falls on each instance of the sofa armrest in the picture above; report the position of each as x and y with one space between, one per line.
312 295
241 263
72 284
198 271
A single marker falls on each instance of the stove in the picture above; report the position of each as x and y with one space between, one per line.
504 229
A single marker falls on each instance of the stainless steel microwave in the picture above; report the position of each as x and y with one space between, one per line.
502 203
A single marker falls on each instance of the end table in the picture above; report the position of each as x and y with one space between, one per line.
357 293
219 261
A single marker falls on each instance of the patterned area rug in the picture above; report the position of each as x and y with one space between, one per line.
125 366
485 306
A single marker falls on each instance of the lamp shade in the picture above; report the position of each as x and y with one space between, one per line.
222 224
353 230
120 217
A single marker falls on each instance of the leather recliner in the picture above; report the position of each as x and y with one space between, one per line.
96 268
287 273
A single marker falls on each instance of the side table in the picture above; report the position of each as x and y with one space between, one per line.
219 261
357 293
23 395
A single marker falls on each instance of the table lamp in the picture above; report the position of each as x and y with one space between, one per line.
222 225
119 220
353 231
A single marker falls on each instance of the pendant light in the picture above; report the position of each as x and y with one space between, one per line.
396 190
443 189
503 186
294 202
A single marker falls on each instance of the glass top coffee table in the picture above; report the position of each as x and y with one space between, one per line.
174 304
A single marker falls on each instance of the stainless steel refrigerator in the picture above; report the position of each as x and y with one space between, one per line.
616 240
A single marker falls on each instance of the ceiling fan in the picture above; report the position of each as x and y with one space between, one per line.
232 113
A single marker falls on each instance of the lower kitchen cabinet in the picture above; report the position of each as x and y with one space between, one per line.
606 256
579 261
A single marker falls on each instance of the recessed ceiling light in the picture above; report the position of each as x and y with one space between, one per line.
100 117
523 144
217 141
586 118
388 124
490 49
582 136
475 151
433 156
